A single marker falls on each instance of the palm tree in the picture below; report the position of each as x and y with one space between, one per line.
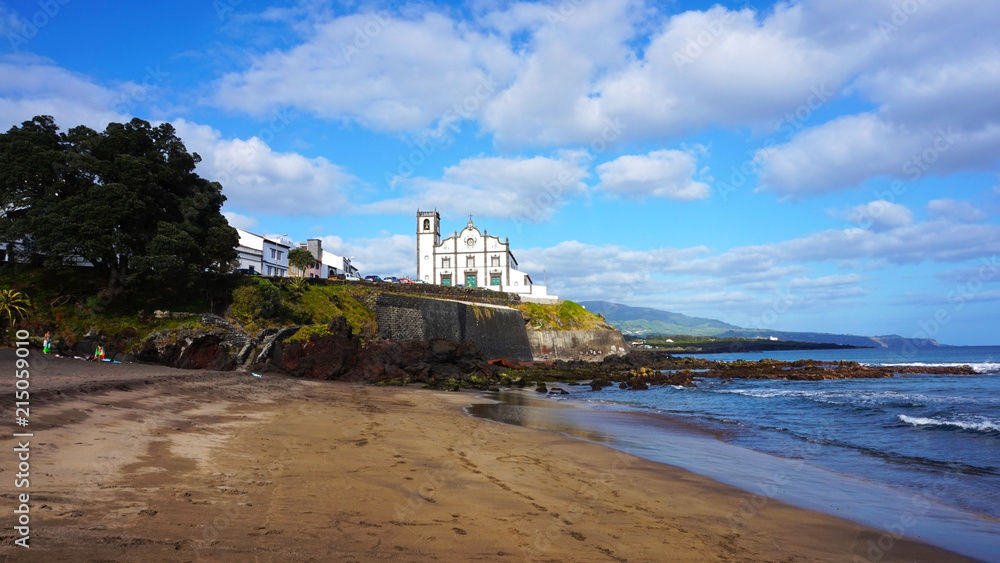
13 304
302 259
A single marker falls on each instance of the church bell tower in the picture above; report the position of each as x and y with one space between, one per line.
428 239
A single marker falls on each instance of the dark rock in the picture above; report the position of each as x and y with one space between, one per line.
599 383
267 346
320 357
541 387
197 348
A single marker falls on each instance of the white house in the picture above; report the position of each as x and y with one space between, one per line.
329 265
471 258
267 256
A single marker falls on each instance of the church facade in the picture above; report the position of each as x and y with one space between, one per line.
470 258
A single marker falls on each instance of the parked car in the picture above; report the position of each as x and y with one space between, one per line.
406 280
248 272
373 278
391 279
351 277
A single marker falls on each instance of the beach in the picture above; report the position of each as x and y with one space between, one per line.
147 463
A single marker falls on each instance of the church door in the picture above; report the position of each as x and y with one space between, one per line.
470 280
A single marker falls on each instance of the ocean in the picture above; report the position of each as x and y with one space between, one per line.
913 454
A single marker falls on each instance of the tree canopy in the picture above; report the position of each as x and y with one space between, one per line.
301 259
126 200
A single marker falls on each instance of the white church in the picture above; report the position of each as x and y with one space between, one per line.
472 259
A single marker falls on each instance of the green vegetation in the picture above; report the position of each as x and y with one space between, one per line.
126 200
646 320
70 302
302 259
307 333
13 304
565 315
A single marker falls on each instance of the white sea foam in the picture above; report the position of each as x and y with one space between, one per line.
983 425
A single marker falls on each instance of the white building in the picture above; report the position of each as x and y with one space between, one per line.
470 258
267 256
328 265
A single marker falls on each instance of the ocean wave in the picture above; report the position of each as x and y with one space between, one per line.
983 425
978 367
839 398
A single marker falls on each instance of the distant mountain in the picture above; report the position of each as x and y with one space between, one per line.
646 320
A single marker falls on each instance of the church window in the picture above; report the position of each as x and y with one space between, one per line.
446 262
426 257
495 261
470 261
427 224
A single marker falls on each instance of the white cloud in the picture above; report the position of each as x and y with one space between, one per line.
392 255
955 210
382 70
10 23
35 86
880 215
556 76
935 82
240 221
527 189
257 179
663 173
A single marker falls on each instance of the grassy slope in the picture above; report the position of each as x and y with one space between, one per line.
566 315
72 301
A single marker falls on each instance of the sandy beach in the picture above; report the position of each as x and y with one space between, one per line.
146 463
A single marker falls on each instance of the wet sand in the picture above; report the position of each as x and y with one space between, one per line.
145 463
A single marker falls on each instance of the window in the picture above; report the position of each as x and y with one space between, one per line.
427 278
494 280
426 257
427 224
495 261
279 255
273 252
445 280
446 262
470 261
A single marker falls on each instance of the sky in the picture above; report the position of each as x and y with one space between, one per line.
820 165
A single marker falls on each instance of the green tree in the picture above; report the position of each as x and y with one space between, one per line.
13 304
301 259
127 200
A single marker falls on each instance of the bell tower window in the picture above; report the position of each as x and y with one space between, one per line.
427 224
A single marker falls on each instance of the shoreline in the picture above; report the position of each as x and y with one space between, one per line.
761 477
155 464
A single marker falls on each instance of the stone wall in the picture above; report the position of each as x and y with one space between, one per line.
497 331
575 344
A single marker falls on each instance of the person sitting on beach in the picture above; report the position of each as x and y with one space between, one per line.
99 353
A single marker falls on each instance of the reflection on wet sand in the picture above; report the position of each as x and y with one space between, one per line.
523 409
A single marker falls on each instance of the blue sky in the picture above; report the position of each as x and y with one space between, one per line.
827 165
